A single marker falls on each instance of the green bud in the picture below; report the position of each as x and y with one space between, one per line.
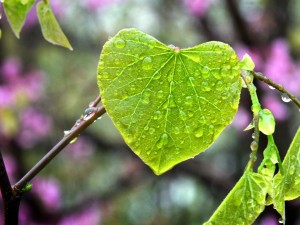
266 122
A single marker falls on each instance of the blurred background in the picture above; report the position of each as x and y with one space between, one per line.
98 180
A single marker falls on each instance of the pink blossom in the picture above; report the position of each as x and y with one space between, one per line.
96 4
48 191
91 216
269 221
242 119
281 68
10 70
81 149
34 125
198 7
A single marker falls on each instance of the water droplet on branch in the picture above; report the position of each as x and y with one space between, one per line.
285 97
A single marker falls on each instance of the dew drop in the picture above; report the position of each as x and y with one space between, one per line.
281 220
189 100
147 63
151 130
119 43
183 115
216 74
198 132
163 141
157 115
191 113
292 170
160 94
253 145
148 152
285 97
73 140
146 128
157 75
205 72
176 130
271 87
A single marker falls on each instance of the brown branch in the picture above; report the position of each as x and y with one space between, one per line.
279 87
11 201
81 124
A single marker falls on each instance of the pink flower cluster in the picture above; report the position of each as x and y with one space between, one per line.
18 91
197 7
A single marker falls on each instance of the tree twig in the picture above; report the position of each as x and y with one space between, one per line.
279 87
91 114
11 201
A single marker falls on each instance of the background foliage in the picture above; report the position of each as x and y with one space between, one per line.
97 180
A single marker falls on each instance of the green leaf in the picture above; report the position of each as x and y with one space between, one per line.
169 104
244 203
286 187
16 12
50 27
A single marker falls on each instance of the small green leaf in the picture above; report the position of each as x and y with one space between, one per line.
286 186
50 27
266 122
244 203
16 12
247 63
169 104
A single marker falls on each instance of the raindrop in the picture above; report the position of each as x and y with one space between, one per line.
285 97
151 130
198 132
253 135
147 63
157 115
89 112
205 86
146 128
119 43
148 152
205 72
271 87
176 130
172 46
253 145
163 140
216 74
157 75
292 170
66 132
281 220
189 100
183 115
160 94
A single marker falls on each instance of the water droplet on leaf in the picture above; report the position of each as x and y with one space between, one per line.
119 43
147 63
164 139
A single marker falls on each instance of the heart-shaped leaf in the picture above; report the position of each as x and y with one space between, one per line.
169 104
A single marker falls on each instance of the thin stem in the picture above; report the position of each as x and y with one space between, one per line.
256 108
279 87
77 129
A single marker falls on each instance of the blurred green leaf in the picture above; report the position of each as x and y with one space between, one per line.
286 187
169 104
50 27
244 203
16 12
